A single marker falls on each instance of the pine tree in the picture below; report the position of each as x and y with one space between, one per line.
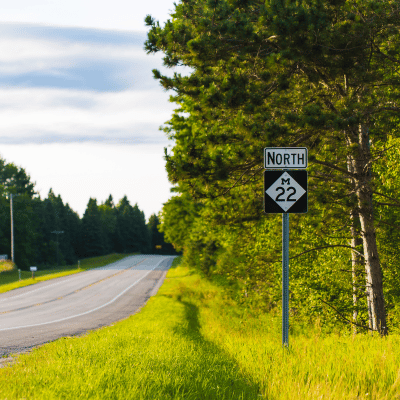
310 73
108 215
92 231
158 245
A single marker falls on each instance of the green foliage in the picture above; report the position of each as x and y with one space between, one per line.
388 215
157 241
104 228
92 232
133 232
309 73
177 218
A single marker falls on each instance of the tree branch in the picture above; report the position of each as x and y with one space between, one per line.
238 180
350 270
333 166
346 319
301 139
378 50
325 247
387 197
386 204
387 223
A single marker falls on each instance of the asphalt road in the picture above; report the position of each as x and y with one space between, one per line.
74 304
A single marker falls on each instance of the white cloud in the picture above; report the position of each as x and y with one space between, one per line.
33 113
36 113
18 55
103 14
74 138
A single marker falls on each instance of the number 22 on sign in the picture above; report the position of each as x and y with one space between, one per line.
285 191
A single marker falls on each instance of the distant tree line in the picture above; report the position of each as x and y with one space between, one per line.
48 232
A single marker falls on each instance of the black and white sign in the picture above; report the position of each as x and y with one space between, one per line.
285 192
285 157
33 269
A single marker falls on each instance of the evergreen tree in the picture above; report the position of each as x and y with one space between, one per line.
15 181
158 245
142 237
108 215
310 73
73 231
92 231
132 227
36 220
125 226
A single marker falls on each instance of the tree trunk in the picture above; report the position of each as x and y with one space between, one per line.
356 263
356 243
374 288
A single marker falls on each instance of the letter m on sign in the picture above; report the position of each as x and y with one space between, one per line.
287 181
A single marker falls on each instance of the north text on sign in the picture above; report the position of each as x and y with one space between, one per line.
285 157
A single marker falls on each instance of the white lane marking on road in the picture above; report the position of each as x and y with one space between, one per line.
58 283
86 312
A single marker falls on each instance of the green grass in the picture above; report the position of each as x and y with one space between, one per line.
9 280
191 341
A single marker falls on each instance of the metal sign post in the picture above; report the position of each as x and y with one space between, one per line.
285 279
33 270
285 191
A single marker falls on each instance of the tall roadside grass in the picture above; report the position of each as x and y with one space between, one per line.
9 278
7 266
191 341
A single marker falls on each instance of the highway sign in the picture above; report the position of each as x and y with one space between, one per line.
33 269
285 192
285 157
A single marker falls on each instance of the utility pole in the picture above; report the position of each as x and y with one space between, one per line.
12 227
57 233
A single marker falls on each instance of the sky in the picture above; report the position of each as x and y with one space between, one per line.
79 108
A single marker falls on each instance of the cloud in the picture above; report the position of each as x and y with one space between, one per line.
73 85
80 111
71 34
118 14
39 115
19 55
76 58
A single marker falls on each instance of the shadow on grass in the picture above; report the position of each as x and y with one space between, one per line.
221 371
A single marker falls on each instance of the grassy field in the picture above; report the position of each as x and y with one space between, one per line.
191 341
9 279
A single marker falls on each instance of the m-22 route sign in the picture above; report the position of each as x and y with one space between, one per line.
285 157
285 192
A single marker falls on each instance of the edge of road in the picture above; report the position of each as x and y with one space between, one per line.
8 358
96 308
75 272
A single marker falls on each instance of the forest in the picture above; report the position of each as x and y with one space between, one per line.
48 232
321 74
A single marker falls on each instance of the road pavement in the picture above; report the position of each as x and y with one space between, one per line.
74 304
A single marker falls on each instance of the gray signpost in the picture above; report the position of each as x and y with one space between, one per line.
33 270
285 191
